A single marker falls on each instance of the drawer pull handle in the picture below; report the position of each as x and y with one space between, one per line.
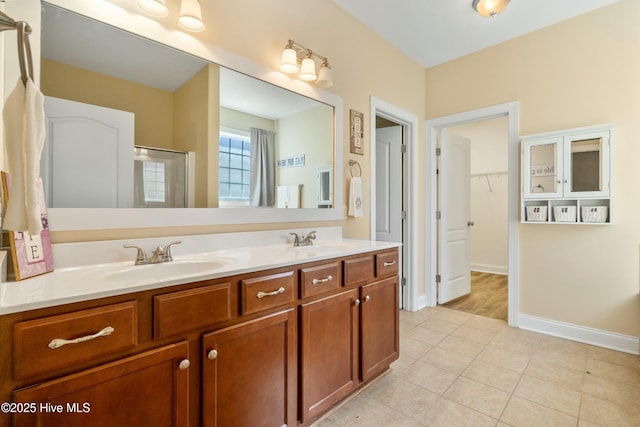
184 364
212 355
325 280
59 342
270 294
389 263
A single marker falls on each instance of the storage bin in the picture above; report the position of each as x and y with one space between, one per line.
595 213
536 213
564 213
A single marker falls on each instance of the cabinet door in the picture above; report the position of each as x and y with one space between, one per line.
249 373
586 165
379 326
329 352
542 168
148 389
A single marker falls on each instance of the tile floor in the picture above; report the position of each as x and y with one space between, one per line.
459 369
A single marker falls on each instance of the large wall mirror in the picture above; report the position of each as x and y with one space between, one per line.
142 134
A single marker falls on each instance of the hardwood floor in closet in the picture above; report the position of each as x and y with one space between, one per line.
488 296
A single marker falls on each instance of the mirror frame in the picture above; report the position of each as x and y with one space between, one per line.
72 219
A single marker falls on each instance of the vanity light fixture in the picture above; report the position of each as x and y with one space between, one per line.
154 7
489 8
299 58
191 16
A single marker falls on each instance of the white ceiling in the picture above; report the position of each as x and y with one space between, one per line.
75 40
436 31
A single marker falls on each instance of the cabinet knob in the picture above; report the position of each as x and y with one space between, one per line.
184 364
367 298
357 301
212 354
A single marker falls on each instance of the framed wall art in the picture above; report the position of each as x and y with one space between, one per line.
357 132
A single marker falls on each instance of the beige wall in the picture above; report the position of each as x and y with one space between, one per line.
153 107
196 119
363 64
314 147
581 72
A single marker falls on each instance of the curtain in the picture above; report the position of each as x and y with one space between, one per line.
138 184
263 168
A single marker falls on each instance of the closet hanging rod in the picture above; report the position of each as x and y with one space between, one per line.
476 175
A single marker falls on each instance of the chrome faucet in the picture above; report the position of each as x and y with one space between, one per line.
160 254
303 240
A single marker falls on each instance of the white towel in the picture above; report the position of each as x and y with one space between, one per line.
288 196
24 139
355 197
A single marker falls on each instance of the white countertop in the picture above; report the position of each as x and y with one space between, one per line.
193 260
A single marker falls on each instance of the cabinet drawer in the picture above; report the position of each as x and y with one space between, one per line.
261 293
182 311
319 279
387 264
358 270
55 342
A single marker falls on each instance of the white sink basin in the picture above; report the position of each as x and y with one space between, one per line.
176 268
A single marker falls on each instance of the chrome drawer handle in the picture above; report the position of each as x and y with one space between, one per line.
59 342
325 280
388 263
270 294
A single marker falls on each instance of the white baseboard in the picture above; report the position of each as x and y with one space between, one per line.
489 268
419 303
583 334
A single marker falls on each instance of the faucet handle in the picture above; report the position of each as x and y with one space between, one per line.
141 256
311 235
167 250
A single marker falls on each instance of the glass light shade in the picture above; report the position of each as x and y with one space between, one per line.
489 8
191 16
308 70
325 78
289 63
154 7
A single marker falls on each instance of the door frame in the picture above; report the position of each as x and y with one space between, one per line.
432 128
409 123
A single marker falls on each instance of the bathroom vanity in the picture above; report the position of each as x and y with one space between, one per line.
263 336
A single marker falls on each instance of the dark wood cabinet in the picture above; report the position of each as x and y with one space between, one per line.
148 389
328 352
379 325
249 373
271 348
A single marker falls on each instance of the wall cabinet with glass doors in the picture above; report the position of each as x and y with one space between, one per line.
566 176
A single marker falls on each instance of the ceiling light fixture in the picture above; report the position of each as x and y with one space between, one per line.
489 8
191 16
154 7
299 58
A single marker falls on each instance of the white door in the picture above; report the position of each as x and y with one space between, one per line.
389 184
74 131
389 174
453 227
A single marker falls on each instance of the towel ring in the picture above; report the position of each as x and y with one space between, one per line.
353 163
24 48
